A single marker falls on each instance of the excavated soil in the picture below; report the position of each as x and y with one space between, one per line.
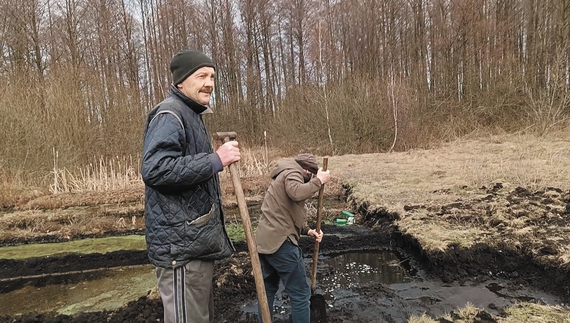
524 237
483 229
234 282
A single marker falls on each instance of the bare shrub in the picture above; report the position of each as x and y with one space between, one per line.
547 109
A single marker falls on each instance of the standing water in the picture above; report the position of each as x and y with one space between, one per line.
93 291
372 286
377 288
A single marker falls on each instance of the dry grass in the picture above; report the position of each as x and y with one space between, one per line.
393 180
535 313
467 314
519 313
71 221
106 195
13 192
424 180
421 319
388 181
438 235
117 180
107 174
385 181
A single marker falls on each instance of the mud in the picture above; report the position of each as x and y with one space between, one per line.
516 264
234 283
527 238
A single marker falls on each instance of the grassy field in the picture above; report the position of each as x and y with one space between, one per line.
497 191
507 192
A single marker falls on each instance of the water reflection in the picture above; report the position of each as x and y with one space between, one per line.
338 278
107 289
359 269
375 287
337 275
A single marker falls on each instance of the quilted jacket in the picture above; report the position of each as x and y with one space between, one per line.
183 209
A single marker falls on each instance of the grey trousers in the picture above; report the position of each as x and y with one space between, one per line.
186 292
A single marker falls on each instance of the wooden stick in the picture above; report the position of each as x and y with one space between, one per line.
318 228
255 263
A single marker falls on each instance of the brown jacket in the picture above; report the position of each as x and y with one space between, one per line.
283 209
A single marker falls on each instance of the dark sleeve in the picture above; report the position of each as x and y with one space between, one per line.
163 161
217 165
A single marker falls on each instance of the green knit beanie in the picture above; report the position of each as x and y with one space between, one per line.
186 62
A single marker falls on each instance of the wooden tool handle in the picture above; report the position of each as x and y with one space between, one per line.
246 222
318 229
320 201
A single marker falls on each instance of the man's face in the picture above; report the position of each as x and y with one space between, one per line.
200 85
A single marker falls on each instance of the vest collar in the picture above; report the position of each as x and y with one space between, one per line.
195 106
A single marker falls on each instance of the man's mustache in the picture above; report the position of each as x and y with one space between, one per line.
207 89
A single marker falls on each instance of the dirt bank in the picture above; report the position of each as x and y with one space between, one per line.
233 282
467 213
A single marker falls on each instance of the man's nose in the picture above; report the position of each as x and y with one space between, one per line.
209 82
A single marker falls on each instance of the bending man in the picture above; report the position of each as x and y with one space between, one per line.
280 226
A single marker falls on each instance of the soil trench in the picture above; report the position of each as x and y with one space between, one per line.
502 268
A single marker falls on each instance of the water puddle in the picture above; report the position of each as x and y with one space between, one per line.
68 294
376 287
352 270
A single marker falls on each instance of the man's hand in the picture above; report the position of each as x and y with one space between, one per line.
317 235
324 176
229 152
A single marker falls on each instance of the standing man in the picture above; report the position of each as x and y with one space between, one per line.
185 229
280 226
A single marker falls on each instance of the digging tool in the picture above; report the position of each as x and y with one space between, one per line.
318 304
245 220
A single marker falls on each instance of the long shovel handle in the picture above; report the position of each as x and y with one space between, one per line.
318 229
255 263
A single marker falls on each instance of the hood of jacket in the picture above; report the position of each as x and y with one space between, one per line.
288 164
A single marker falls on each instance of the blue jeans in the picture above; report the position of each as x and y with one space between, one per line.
287 264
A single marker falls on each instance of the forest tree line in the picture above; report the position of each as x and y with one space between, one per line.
328 76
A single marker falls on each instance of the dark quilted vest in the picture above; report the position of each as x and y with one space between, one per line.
183 208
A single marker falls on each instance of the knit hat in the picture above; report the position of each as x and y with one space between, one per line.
186 62
308 162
